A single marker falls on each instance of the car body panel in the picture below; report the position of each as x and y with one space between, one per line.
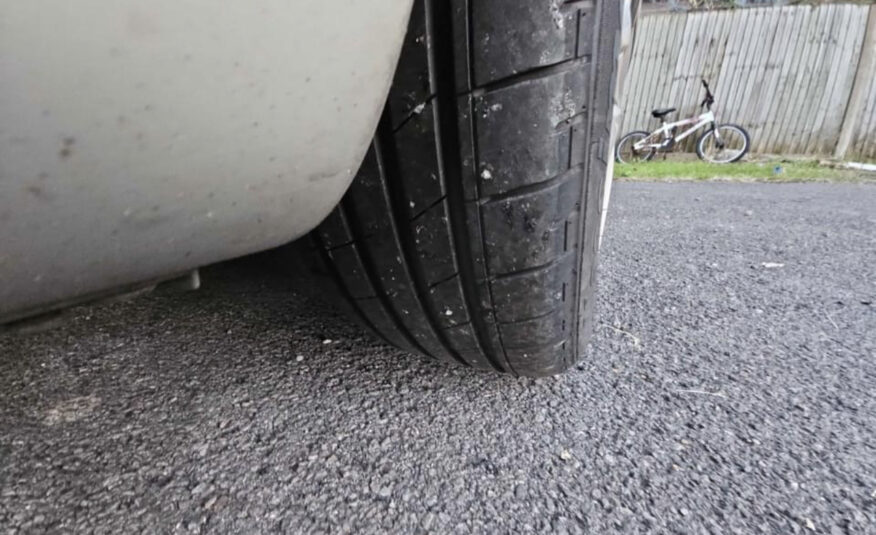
629 11
144 139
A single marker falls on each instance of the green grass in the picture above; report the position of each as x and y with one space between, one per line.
791 171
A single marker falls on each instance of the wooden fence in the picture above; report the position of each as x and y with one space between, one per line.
801 79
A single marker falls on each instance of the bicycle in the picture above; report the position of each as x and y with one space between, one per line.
720 143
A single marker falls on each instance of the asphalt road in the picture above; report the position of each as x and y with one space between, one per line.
730 388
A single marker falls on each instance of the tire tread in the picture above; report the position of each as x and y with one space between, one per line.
490 267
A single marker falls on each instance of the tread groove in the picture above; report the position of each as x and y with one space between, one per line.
535 73
339 282
530 318
339 246
580 117
578 4
374 279
394 193
565 235
529 270
442 281
426 209
528 189
407 118
439 22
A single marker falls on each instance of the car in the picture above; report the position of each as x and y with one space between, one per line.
448 161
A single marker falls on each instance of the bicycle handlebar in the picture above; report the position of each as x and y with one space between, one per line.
710 99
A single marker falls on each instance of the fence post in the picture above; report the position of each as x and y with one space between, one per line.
864 75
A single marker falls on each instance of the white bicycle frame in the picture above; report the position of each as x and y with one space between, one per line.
666 130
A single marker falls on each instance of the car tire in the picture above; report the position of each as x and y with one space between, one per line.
470 233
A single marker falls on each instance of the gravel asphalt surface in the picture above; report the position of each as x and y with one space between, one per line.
730 388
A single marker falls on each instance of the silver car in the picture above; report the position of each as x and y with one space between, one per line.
450 160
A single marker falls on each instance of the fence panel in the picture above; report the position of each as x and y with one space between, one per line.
785 73
864 144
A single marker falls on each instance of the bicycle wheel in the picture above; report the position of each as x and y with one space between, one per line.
625 151
733 145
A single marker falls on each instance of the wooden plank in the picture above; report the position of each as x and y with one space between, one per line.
865 74
658 75
687 106
637 71
694 90
721 84
647 76
783 113
710 45
764 109
825 70
634 71
800 94
765 30
718 45
867 132
736 71
724 86
824 136
828 78
675 33
747 70
840 99
773 105
662 80
869 137
840 63
766 89
858 145
729 111
726 24
685 58
805 68
816 77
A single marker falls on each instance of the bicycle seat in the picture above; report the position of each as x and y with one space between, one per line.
662 112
